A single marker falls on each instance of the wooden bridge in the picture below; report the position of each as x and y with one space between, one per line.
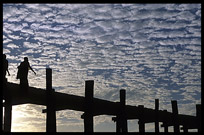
55 101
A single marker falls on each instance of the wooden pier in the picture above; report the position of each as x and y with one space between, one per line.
56 101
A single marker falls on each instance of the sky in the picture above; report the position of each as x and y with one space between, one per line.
150 50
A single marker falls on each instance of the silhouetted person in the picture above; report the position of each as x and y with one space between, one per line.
22 74
5 66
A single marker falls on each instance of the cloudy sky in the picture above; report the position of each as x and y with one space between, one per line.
151 50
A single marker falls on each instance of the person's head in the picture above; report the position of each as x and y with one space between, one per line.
26 59
4 56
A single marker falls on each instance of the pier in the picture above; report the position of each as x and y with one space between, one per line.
120 111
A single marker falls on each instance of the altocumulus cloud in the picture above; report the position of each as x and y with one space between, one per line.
151 50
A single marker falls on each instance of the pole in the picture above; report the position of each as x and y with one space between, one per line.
175 116
198 116
8 109
141 119
51 114
123 117
165 124
88 114
156 116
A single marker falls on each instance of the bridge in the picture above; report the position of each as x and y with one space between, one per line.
56 101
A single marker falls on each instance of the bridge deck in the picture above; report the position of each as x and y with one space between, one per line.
100 107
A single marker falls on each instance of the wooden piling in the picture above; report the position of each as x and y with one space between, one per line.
198 116
88 114
8 108
175 116
185 130
2 97
166 128
7 116
118 123
123 117
51 114
141 119
156 116
165 124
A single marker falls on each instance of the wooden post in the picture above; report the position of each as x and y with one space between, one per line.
165 124
185 130
141 119
8 109
123 117
156 116
51 114
118 126
118 123
198 116
88 114
7 116
166 128
175 116
3 89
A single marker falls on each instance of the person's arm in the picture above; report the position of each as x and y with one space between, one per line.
32 69
8 72
7 67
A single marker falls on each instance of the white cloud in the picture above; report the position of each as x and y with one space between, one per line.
12 46
6 40
189 6
30 45
13 27
185 15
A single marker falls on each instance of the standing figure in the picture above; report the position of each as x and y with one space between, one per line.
5 66
23 73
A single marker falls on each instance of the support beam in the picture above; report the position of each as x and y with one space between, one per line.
123 117
141 119
3 88
175 116
198 116
116 119
185 130
51 114
7 116
88 114
156 115
118 124
166 129
165 125
8 109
